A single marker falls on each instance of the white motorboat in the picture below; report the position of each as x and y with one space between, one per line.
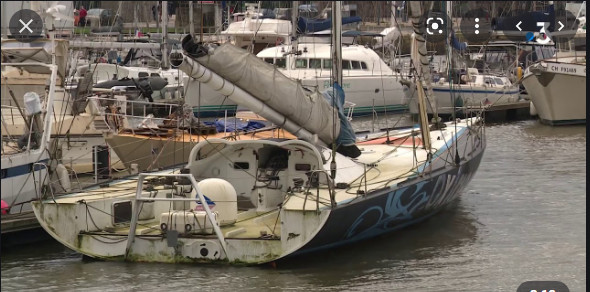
557 88
369 83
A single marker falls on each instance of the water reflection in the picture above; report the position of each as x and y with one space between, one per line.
521 218
393 258
535 129
432 241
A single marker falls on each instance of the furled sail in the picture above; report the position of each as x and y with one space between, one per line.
260 87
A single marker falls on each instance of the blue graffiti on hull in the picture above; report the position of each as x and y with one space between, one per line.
407 205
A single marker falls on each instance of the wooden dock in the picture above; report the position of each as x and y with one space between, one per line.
507 112
19 222
21 229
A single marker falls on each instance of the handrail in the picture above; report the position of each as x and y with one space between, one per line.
44 165
331 188
134 101
350 106
138 198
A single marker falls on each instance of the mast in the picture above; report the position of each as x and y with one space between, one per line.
420 59
191 19
165 64
135 25
336 71
450 62
337 41
295 15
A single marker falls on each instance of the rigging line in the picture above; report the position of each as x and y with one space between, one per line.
34 183
30 173
106 213
383 96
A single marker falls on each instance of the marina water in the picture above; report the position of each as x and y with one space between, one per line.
522 218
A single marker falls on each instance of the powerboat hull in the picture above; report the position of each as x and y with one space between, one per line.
558 92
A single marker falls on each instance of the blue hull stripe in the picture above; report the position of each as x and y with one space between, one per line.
475 91
21 169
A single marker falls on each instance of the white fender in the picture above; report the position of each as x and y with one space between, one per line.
64 177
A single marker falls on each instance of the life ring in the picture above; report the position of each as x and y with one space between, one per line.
188 228
164 226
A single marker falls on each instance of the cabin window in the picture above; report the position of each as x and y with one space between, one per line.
499 81
281 63
241 165
121 212
315 63
155 75
301 63
364 66
346 65
143 74
488 80
327 63
269 60
302 167
356 65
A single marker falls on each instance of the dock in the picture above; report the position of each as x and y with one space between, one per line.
507 112
19 222
19 229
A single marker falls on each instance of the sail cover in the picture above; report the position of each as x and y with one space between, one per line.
308 109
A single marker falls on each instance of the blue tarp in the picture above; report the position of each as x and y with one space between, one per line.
307 25
347 136
456 44
233 124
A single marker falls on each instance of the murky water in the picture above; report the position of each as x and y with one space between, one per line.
522 218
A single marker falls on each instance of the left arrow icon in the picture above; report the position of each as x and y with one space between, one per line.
517 25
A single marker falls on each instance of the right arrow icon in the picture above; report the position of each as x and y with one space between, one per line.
517 25
561 26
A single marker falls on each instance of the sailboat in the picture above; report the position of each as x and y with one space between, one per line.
260 201
28 95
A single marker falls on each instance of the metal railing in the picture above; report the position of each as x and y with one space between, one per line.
314 175
131 105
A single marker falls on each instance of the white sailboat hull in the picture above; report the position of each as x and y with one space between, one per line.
467 98
279 223
23 176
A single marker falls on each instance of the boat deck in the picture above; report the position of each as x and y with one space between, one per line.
378 167
250 224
